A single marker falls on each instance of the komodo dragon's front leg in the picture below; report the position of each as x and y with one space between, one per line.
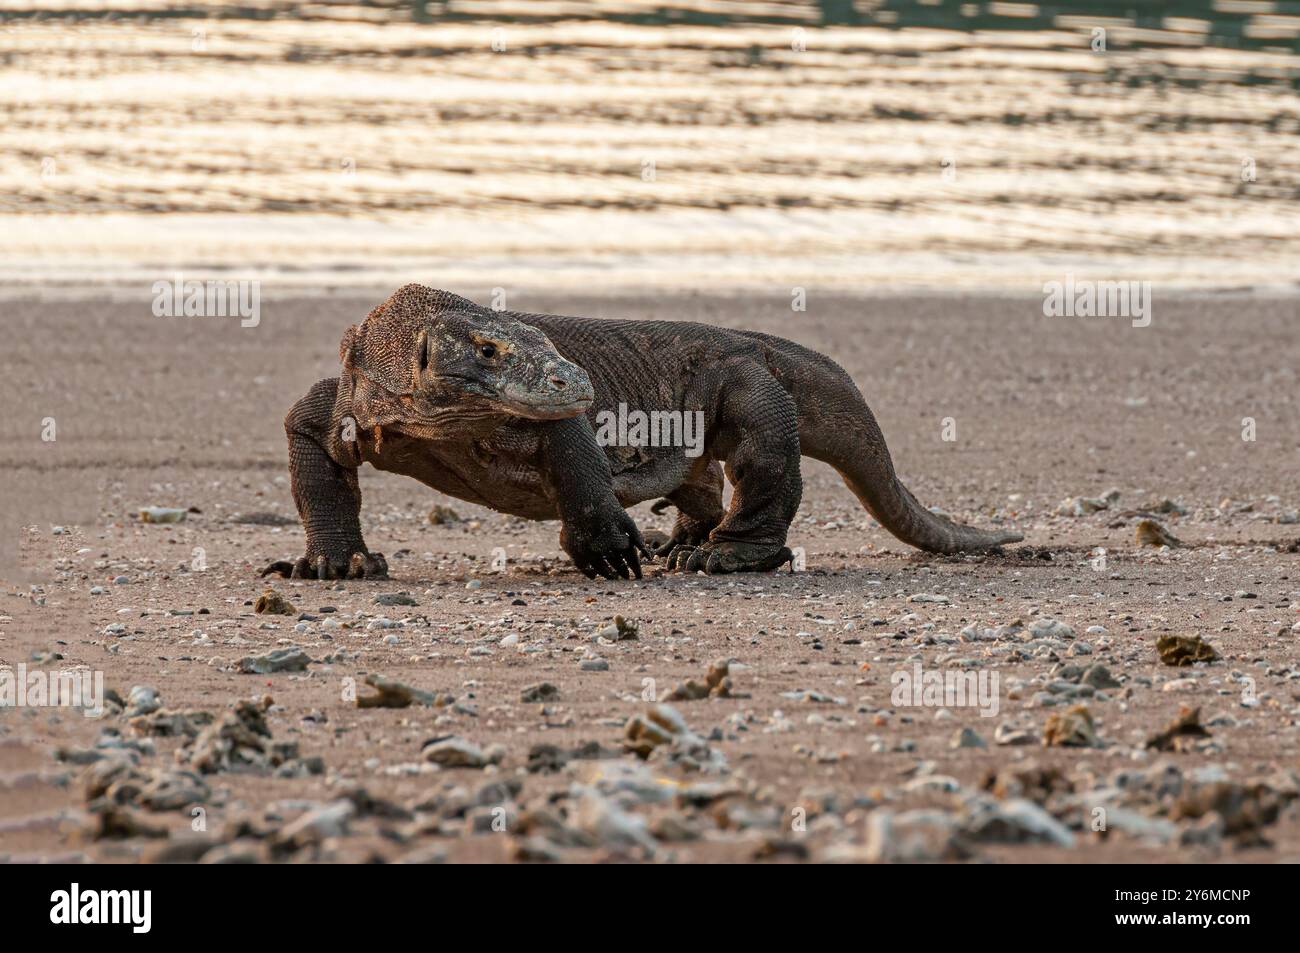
327 494
597 533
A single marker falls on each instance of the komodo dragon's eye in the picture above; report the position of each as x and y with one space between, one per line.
489 351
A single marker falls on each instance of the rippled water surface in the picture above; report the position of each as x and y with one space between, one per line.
485 144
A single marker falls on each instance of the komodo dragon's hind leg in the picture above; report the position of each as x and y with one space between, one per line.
758 436
699 510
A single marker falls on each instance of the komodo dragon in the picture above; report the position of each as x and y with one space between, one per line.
497 408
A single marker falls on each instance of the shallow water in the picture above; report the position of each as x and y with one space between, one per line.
365 148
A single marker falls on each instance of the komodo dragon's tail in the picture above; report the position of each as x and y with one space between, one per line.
837 427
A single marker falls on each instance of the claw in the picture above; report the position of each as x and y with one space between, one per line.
358 566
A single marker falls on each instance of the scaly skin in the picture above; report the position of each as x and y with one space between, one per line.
490 432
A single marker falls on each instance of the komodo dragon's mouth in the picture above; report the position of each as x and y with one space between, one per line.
557 410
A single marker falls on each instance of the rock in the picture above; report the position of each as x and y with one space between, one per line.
1008 734
689 690
913 836
609 824
1151 533
238 741
278 660
171 724
161 514
533 850
1181 734
122 823
659 725
1207 832
143 700
243 850
1071 729
443 516
540 692
455 753
395 599
1185 650
967 738
1050 629
594 665
330 820
1246 808
662 726
1099 677
394 694
716 684
619 630
272 603
115 628
1084 505
1015 821
173 790
1031 781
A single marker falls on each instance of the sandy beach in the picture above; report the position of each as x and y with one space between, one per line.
812 756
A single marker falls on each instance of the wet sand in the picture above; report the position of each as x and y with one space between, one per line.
186 413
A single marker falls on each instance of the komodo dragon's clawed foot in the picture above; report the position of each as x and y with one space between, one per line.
688 533
357 566
718 558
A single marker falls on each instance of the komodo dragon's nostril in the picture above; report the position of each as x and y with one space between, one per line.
559 382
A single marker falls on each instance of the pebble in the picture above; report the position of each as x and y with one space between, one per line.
279 660
143 700
540 692
456 753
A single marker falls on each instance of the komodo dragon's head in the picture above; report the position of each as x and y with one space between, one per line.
427 362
